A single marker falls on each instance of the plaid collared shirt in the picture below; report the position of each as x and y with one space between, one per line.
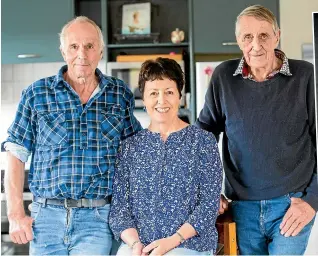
243 69
73 147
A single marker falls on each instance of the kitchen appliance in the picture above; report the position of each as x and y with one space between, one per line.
204 71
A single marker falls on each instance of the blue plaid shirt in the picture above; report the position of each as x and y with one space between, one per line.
73 147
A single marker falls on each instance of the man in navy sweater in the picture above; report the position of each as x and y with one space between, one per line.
264 104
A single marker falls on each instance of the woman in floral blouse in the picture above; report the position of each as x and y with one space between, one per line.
168 179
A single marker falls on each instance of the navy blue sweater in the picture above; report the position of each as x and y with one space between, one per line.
269 141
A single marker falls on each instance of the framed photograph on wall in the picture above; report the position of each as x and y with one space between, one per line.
136 19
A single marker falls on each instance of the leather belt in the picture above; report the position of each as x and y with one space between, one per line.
73 203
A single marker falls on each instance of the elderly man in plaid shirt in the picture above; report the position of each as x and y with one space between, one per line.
71 124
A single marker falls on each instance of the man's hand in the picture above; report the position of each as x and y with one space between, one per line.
162 246
299 214
20 229
224 204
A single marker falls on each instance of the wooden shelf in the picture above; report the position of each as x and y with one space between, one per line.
144 57
150 45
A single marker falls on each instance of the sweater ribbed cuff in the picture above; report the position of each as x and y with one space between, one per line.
312 200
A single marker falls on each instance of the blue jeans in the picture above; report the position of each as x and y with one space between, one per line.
258 231
68 231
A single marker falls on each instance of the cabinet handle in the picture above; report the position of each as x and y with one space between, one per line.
23 56
229 43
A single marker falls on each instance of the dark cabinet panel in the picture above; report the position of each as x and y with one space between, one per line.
31 28
214 23
91 9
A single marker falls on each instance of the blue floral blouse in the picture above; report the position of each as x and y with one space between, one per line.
159 186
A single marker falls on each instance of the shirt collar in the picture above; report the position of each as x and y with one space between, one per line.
59 78
242 68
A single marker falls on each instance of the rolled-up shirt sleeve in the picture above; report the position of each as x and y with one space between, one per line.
18 151
120 217
204 215
21 131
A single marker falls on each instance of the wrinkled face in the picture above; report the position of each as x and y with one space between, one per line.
257 40
162 100
82 50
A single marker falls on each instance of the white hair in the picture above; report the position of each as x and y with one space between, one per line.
81 19
259 12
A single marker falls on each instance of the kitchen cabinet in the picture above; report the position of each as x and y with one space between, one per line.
214 23
31 28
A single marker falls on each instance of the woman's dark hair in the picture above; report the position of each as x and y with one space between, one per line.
160 69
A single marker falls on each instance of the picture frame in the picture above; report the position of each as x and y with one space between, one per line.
136 19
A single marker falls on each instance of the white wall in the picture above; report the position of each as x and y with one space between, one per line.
296 25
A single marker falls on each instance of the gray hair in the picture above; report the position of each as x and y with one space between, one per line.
259 12
81 19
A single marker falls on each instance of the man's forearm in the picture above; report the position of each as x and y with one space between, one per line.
14 181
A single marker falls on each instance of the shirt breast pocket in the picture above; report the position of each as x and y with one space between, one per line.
112 122
52 129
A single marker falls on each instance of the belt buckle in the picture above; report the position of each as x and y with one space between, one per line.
70 203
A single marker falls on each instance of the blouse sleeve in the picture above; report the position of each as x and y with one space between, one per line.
120 217
210 175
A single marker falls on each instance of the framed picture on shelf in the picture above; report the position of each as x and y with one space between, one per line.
136 19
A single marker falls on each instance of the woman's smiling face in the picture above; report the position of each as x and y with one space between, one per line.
162 100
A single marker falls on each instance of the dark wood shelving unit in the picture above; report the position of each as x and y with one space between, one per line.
166 16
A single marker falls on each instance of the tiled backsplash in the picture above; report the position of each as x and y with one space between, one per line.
16 77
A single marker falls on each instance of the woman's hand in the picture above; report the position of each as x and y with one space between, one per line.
162 246
137 249
131 238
